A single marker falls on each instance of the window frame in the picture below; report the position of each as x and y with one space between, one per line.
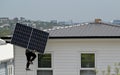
10 70
85 68
51 68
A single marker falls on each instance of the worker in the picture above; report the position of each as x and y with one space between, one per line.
30 56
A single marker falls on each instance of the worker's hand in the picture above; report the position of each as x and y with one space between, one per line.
34 51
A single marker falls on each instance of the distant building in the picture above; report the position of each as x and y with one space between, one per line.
16 19
2 42
116 22
4 20
22 19
66 22
34 25
54 21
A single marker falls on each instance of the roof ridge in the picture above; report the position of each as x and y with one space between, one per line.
64 27
109 24
80 24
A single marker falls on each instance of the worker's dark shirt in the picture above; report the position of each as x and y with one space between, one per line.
27 51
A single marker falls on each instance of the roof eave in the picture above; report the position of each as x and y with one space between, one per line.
71 37
84 37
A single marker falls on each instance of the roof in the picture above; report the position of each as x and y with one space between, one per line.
86 30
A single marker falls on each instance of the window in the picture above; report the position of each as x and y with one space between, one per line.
44 72
44 61
87 72
45 64
87 64
10 70
87 60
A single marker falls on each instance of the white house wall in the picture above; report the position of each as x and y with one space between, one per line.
20 62
66 55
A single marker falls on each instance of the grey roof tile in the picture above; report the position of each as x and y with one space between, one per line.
89 29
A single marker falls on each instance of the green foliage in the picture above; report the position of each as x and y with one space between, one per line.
46 25
108 70
39 24
5 32
116 69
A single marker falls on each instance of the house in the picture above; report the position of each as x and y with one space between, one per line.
116 22
84 49
7 67
6 60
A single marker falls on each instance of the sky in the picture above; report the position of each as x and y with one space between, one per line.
61 10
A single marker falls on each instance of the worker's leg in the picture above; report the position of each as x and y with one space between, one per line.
28 60
33 56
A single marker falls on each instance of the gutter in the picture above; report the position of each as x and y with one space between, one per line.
85 37
8 39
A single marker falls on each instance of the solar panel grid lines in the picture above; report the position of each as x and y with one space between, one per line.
21 35
30 38
38 40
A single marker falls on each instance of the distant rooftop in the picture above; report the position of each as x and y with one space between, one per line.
2 42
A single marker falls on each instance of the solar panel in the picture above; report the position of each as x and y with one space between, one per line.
38 40
21 35
29 38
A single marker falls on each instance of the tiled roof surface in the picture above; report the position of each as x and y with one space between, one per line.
87 29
